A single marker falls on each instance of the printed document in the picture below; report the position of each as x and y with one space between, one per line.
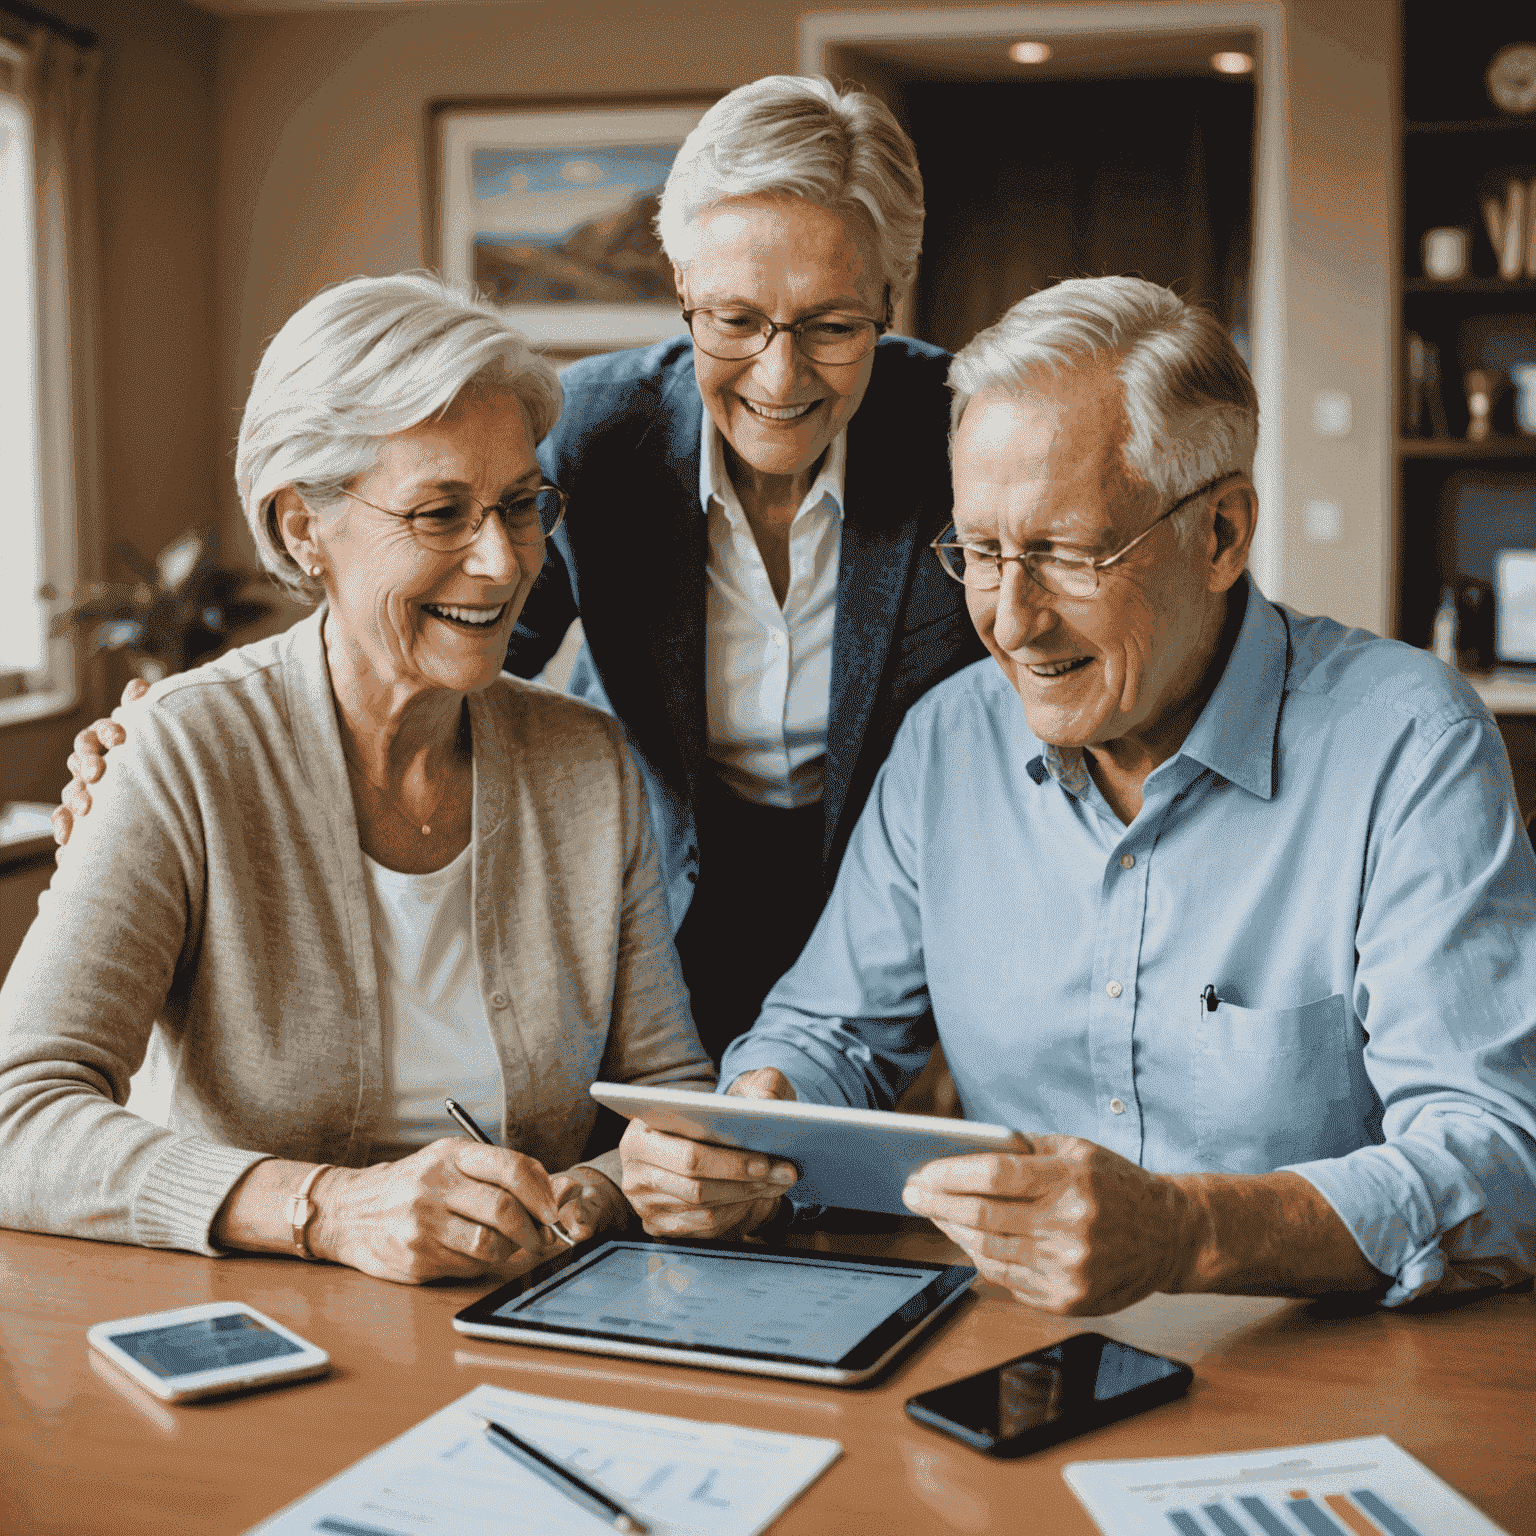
444 1478
1367 1487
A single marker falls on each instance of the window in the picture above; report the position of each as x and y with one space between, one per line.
37 674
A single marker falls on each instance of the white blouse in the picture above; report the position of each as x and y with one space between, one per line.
768 670
437 1037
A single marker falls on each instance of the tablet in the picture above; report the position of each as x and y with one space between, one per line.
730 1306
851 1157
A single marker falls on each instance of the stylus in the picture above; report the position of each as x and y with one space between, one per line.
567 1482
465 1119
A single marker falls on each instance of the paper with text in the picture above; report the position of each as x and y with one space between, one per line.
443 1478
1366 1487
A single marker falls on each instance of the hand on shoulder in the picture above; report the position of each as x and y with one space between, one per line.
87 763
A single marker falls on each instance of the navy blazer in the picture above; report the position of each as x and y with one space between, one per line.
630 560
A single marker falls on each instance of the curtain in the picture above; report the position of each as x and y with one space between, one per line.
57 83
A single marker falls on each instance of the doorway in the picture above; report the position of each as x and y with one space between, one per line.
1090 162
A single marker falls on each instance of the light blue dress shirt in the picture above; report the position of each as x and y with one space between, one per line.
1335 850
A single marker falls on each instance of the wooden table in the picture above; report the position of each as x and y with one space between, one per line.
83 1452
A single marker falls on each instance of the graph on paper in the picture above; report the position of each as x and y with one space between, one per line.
1366 1487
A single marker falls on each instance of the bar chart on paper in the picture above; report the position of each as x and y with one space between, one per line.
1367 1487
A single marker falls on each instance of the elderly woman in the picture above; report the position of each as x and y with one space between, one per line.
749 513
337 874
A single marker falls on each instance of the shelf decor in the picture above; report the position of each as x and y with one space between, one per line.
1509 230
1446 252
1511 78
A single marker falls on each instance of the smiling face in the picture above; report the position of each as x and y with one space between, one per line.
412 618
788 259
1044 471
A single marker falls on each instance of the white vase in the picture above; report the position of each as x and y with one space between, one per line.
1524 377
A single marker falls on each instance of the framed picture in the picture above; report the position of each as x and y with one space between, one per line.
548 207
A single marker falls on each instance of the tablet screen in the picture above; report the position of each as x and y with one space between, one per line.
813 1308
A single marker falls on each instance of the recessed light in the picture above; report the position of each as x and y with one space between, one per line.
1232 63
1030 52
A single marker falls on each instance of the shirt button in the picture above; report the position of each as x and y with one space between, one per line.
1117 1106
1127 861
779 637
498 999
1114 989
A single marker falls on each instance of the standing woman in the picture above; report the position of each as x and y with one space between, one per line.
747 514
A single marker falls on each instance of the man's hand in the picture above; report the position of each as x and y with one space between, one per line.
1071 1227
685 1188
87 763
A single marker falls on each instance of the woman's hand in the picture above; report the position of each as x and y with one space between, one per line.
685 1188
87 763
453 1210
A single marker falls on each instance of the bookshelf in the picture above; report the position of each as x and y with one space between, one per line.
1458 499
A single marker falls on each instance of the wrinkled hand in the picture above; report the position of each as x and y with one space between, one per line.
455 1209
1071 1227
683 1188
87 763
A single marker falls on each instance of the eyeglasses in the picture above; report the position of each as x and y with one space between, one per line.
1063 575
451 522
736 333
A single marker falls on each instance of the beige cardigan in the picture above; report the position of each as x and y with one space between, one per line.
217 886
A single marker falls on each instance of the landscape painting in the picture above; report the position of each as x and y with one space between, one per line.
551 213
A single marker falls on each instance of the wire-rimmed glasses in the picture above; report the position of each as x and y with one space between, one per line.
1063 575
452 521
733 333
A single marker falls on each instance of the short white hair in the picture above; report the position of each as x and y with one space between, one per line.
800 136
1191 409
359 362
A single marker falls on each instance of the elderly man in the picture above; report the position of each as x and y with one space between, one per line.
1228 909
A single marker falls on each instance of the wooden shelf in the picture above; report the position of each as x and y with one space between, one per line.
1460 448
1505 693
1470 285
1474 125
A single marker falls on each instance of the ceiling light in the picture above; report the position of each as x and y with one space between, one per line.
1232 63
1030 53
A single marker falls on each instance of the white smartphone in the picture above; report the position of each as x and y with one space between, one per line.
217 1346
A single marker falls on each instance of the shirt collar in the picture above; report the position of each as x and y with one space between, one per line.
1235 734
715 483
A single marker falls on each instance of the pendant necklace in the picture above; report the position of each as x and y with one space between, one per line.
424 827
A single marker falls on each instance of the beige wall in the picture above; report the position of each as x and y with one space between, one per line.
163 437
1341 326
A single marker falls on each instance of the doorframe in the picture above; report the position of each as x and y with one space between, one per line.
821 31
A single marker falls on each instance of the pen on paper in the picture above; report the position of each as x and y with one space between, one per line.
466 1120
557 1476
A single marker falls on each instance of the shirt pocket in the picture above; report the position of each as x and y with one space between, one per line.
1273 1085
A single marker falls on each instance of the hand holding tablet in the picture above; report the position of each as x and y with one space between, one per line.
682 1178
682 1187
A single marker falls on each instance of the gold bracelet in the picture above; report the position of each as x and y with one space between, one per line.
302 1210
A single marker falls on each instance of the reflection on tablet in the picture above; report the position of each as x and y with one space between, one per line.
775 1304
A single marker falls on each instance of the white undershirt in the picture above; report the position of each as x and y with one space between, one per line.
767 670
437 1037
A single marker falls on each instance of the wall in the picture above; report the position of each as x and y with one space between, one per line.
1344 62
163 437
321 164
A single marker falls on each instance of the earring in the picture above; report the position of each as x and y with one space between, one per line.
314 571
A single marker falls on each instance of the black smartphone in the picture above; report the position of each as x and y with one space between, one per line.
1039 1399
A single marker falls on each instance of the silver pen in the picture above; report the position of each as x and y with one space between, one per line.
562 1478
465 1119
